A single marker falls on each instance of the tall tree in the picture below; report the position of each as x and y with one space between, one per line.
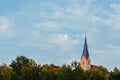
115 74
96 74
25 69
5 72
65 73
18 63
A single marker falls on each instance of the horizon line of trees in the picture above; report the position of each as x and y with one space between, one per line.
23 68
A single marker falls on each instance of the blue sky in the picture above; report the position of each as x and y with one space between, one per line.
52 31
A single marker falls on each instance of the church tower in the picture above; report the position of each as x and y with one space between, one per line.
85 62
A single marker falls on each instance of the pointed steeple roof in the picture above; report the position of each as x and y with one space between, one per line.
85 49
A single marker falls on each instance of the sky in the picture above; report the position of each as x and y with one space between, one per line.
53 31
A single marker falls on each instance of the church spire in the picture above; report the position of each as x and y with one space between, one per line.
85 49
85 62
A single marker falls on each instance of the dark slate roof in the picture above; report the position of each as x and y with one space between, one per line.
85 49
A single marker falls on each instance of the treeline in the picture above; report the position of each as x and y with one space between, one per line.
23 68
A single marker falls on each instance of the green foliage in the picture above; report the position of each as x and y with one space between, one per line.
23 68
5 72
47 72
17 64
78 74
97 75
115 75
65 73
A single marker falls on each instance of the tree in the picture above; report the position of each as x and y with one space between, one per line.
25 69
49 72
78 73
65 73
95 75
115 74
18 63
31 72
5 72
75 64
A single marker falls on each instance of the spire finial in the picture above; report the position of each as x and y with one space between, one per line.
85 36
85 33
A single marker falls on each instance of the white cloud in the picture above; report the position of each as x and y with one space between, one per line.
5 27
58 14
113 46
48 25
114 19
81 16
115 6
59 41
4 24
